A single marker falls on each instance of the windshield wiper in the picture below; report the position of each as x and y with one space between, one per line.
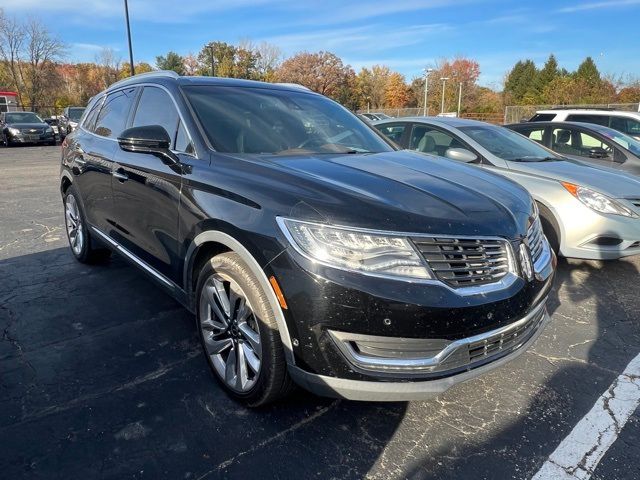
536 159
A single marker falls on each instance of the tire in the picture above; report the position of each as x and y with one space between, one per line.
82 245
550 228
239 333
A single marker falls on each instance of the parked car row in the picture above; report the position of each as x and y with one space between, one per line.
22 128
311 249
588 210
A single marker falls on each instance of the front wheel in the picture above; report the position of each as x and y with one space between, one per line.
80 241
239 332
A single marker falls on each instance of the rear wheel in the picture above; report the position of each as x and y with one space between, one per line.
239 333
80 240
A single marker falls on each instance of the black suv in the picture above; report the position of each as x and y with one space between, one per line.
311 251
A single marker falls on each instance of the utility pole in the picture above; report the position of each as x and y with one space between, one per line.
444 82
126 14
459 98
427 71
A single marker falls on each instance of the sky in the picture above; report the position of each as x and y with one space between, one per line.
406 35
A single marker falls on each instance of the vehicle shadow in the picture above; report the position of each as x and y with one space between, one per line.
536 401
102 375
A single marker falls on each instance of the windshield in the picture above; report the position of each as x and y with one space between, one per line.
75 114
509 145
22 117
625 141
280 122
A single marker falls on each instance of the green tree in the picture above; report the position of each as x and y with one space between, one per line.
588 72
170 61
548 74
520 84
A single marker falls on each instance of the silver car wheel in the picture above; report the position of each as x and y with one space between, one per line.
230 332
73 221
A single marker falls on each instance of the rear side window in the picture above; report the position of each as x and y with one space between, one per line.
543 117
585 118
626 125
113 115
90 118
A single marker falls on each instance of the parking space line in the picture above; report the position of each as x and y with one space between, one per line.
580 452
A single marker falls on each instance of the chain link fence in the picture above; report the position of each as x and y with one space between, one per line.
518 113
496 118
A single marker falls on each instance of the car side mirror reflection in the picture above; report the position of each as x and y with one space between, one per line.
461 155
152 139
598 152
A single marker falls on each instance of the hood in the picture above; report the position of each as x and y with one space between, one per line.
27 125
614 183
409 192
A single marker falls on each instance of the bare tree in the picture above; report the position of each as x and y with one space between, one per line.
30 52
109 63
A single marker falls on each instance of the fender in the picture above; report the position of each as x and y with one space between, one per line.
254 266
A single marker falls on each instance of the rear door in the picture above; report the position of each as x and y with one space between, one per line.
92 149
147 191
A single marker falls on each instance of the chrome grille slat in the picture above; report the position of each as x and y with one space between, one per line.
535 239
462 262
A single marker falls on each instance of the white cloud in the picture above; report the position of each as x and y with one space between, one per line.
599 5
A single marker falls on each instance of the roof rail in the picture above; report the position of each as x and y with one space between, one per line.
583 108
154 73
294 85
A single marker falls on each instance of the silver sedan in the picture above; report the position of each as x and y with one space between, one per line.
587 212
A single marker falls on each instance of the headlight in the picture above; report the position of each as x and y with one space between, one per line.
597 201
368 252
14 131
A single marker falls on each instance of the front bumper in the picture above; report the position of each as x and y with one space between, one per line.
393 391
26 138
333 314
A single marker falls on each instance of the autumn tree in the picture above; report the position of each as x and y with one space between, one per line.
322 72
170 61
397 92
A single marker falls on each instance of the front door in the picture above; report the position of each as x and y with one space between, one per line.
146 191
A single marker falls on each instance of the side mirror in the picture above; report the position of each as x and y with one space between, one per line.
461 155
598 152
152 139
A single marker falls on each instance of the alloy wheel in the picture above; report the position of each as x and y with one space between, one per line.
73 221
230 332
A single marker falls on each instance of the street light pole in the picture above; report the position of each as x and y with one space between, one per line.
126 14
459 98
427 71
444 82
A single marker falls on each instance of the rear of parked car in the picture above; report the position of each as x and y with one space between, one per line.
310 250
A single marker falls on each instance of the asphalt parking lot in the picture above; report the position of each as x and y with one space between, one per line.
102 377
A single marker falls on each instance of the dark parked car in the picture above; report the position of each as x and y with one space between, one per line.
24 128
310 250
588 142
69 120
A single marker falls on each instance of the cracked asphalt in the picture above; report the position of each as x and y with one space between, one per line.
102 376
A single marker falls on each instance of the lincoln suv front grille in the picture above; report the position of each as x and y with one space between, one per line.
535 239
462 262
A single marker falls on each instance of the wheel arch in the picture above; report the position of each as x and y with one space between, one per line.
65 182
548 215
213 242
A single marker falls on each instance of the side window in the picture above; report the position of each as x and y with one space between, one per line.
626 125
597 119
562 141
542 117
587 142
90 118
156 108
429 140
535 135
113 115
393 131
183 142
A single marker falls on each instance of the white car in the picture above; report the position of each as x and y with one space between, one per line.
625 122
